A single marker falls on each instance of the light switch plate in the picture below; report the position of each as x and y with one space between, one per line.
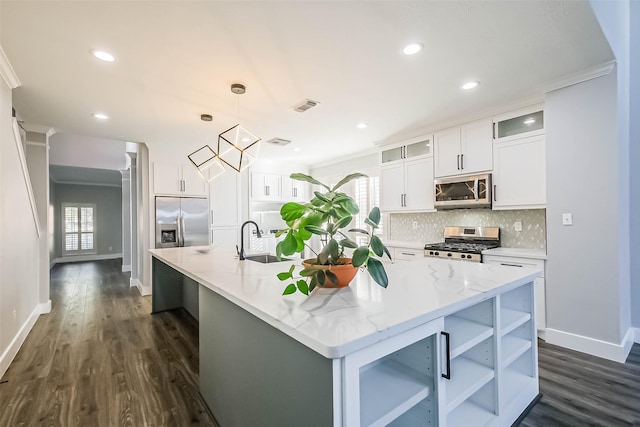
567 219
414 225
517 226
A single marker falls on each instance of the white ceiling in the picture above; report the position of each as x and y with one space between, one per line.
177 59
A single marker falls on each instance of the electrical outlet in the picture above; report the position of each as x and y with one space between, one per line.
414 225
517 226
567 219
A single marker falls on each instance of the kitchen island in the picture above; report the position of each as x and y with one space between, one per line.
447 343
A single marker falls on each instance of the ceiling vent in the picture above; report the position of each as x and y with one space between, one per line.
305 105
279 141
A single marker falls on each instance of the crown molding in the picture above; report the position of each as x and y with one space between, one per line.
581 77
6 70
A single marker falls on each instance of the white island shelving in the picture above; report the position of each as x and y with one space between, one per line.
361 355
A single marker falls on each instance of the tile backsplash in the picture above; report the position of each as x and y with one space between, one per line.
431 225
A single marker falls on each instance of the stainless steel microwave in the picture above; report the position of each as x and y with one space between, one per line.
472 191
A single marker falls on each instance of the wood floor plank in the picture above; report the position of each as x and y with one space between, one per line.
101 359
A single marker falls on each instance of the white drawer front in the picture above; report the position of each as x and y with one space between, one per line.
514 262
407 254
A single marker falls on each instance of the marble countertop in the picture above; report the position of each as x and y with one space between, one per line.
337 322
517 252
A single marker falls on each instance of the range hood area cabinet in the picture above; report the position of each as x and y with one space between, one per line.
465 149
177 179
406 171
519 175
519 160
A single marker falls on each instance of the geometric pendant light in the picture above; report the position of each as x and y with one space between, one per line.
237 146
205 160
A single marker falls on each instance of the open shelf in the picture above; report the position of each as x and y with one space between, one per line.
511 319
465 334
515 383
512 348
470 414
467 377
420 415
389 389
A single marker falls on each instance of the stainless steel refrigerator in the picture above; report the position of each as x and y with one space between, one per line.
181 221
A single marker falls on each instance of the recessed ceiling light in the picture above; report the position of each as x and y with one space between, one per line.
530 121
297 149
470 85
361 125
100 116
103 56
412 48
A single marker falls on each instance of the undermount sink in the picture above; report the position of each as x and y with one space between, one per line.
265 258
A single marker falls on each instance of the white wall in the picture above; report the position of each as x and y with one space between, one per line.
37 156
19 242
584 278
87 152
634 156
367 164
126 220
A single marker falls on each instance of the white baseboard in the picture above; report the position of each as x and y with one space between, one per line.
595 347
144 290
636 333
12 349
80 258
45 307
126 268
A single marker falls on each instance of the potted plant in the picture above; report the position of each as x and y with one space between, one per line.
327 215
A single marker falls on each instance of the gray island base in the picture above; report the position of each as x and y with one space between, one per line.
448 343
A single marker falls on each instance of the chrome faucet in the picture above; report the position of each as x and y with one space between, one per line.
241 254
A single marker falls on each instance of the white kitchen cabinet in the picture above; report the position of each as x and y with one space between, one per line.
474 367
265 187
406 184
224 203
464 149
519 124
413 148
293 190
178 179
401 254
539 285
519 174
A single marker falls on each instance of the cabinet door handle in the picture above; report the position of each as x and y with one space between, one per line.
458 161
408 253
266 190
401 199
510 265
447 338
461 161
494 130
494 193
405 200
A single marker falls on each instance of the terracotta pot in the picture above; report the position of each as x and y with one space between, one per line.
345 271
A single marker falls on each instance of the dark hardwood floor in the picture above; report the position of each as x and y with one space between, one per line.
582 390
100 359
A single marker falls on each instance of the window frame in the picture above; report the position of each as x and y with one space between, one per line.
79 251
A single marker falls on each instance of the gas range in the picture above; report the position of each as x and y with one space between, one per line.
464 243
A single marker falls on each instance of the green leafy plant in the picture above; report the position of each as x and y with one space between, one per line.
327 215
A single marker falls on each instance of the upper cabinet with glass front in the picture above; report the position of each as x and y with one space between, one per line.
519 124
414 148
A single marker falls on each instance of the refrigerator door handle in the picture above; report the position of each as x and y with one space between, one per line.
179 225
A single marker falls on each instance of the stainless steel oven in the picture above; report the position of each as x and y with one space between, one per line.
472 191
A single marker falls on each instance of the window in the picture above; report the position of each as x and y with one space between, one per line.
367 196
78 229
